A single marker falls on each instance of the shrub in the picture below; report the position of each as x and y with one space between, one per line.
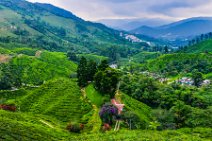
106 127
107 113
11 108
132 120
75 127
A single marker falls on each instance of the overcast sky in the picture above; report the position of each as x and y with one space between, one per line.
115 9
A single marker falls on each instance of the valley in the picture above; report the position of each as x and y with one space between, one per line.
64 78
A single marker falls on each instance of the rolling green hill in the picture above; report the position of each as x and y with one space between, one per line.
20 126
173 64
58 98
145 56
140 109
36 66
205 46
51 28
35 123
16 126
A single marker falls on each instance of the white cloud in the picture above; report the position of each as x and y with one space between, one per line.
103 9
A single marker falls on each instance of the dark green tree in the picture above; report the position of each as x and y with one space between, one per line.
197 77
72 56
181 113
82 72
5 77
106 81
103 65
91 70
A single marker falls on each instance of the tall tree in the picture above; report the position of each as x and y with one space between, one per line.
91 70
72 56
103 65
82 72
5 77
106 81
197 77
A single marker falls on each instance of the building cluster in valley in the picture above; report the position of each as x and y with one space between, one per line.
189 81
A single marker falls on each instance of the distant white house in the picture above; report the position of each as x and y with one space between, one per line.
206 82
131 38
114 66
186 81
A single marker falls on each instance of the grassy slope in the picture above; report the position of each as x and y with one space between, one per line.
94 96
20 126
184 58
93 57
37 69
145 56
147 135
201 47
28 126
142 110
58 98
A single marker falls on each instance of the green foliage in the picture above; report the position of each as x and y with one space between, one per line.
142 113
6 78
91 70
4 51
106 81
204 46
181 113
23 69
82 73
197 77
200 118
19 126
71 56
26 51
58 98
94 96
103 65
144 135
145 56
180 63
97 58
165 118
141 88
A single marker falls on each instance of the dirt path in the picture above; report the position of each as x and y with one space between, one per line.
94 121
4 58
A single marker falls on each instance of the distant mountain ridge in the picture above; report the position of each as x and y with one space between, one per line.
182 30
130 24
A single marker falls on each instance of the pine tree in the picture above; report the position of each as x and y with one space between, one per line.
82 72
103 66
91 70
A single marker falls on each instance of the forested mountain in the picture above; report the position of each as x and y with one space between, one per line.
204 46
181 30
52 28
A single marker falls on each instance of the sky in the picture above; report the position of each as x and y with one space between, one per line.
94 10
